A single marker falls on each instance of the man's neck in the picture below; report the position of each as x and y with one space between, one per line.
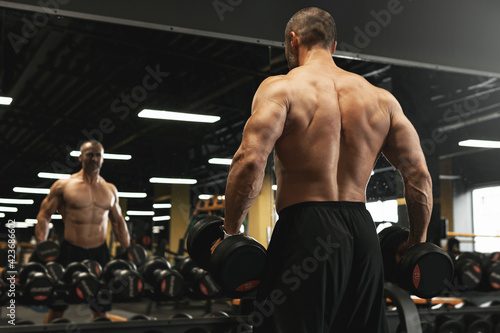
90 177
315 55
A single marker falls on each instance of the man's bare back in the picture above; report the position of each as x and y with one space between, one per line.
343 122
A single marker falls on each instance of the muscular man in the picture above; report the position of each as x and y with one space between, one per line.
85 201
327 127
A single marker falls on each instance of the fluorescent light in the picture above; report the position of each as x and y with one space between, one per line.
159 180
56 217
140 213
161 218
132 194
31 190
5 100
204 196
51 175
162 205
16 201
180 116
2 215
107 156
274 187
8 209
222 161
480 143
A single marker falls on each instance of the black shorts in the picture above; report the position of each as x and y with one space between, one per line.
324 273
71 253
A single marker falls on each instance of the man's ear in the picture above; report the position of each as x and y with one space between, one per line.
334 47
294 40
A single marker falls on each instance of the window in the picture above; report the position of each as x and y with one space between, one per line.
383 210
486 218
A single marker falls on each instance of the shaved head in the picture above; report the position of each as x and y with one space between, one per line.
314 27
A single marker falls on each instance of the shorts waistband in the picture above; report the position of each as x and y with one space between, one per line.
68 243
329 204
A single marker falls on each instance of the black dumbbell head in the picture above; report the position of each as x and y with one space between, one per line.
45 251
148 269
71 269
390 238
85 285
28 268
201 237
94 266
468 273
238 265
426 270
39 287
112 266
126 285
136 254
56 270
169 283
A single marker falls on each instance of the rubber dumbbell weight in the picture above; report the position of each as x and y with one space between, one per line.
45 251
200 283
491 271
35 284
123 280
81 283
425 269
166 283
237 263
468 271
94 266
136 254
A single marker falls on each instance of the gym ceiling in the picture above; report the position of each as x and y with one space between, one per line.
73 78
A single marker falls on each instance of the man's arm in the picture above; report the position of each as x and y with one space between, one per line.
48 207
403 150
117 222
262 130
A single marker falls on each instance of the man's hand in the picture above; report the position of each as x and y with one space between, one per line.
402 248
214 245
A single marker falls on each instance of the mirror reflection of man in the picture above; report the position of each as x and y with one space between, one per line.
85 202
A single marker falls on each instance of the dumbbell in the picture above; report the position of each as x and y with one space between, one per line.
123 280
167 283
82 284
94 266
237 263
201 283
424 270
468 270
35 284
45 251
491 271
136 254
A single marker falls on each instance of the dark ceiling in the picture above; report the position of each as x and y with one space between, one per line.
72 79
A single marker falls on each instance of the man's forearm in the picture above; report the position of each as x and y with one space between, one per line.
243 186
42 229
122 235
418 196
